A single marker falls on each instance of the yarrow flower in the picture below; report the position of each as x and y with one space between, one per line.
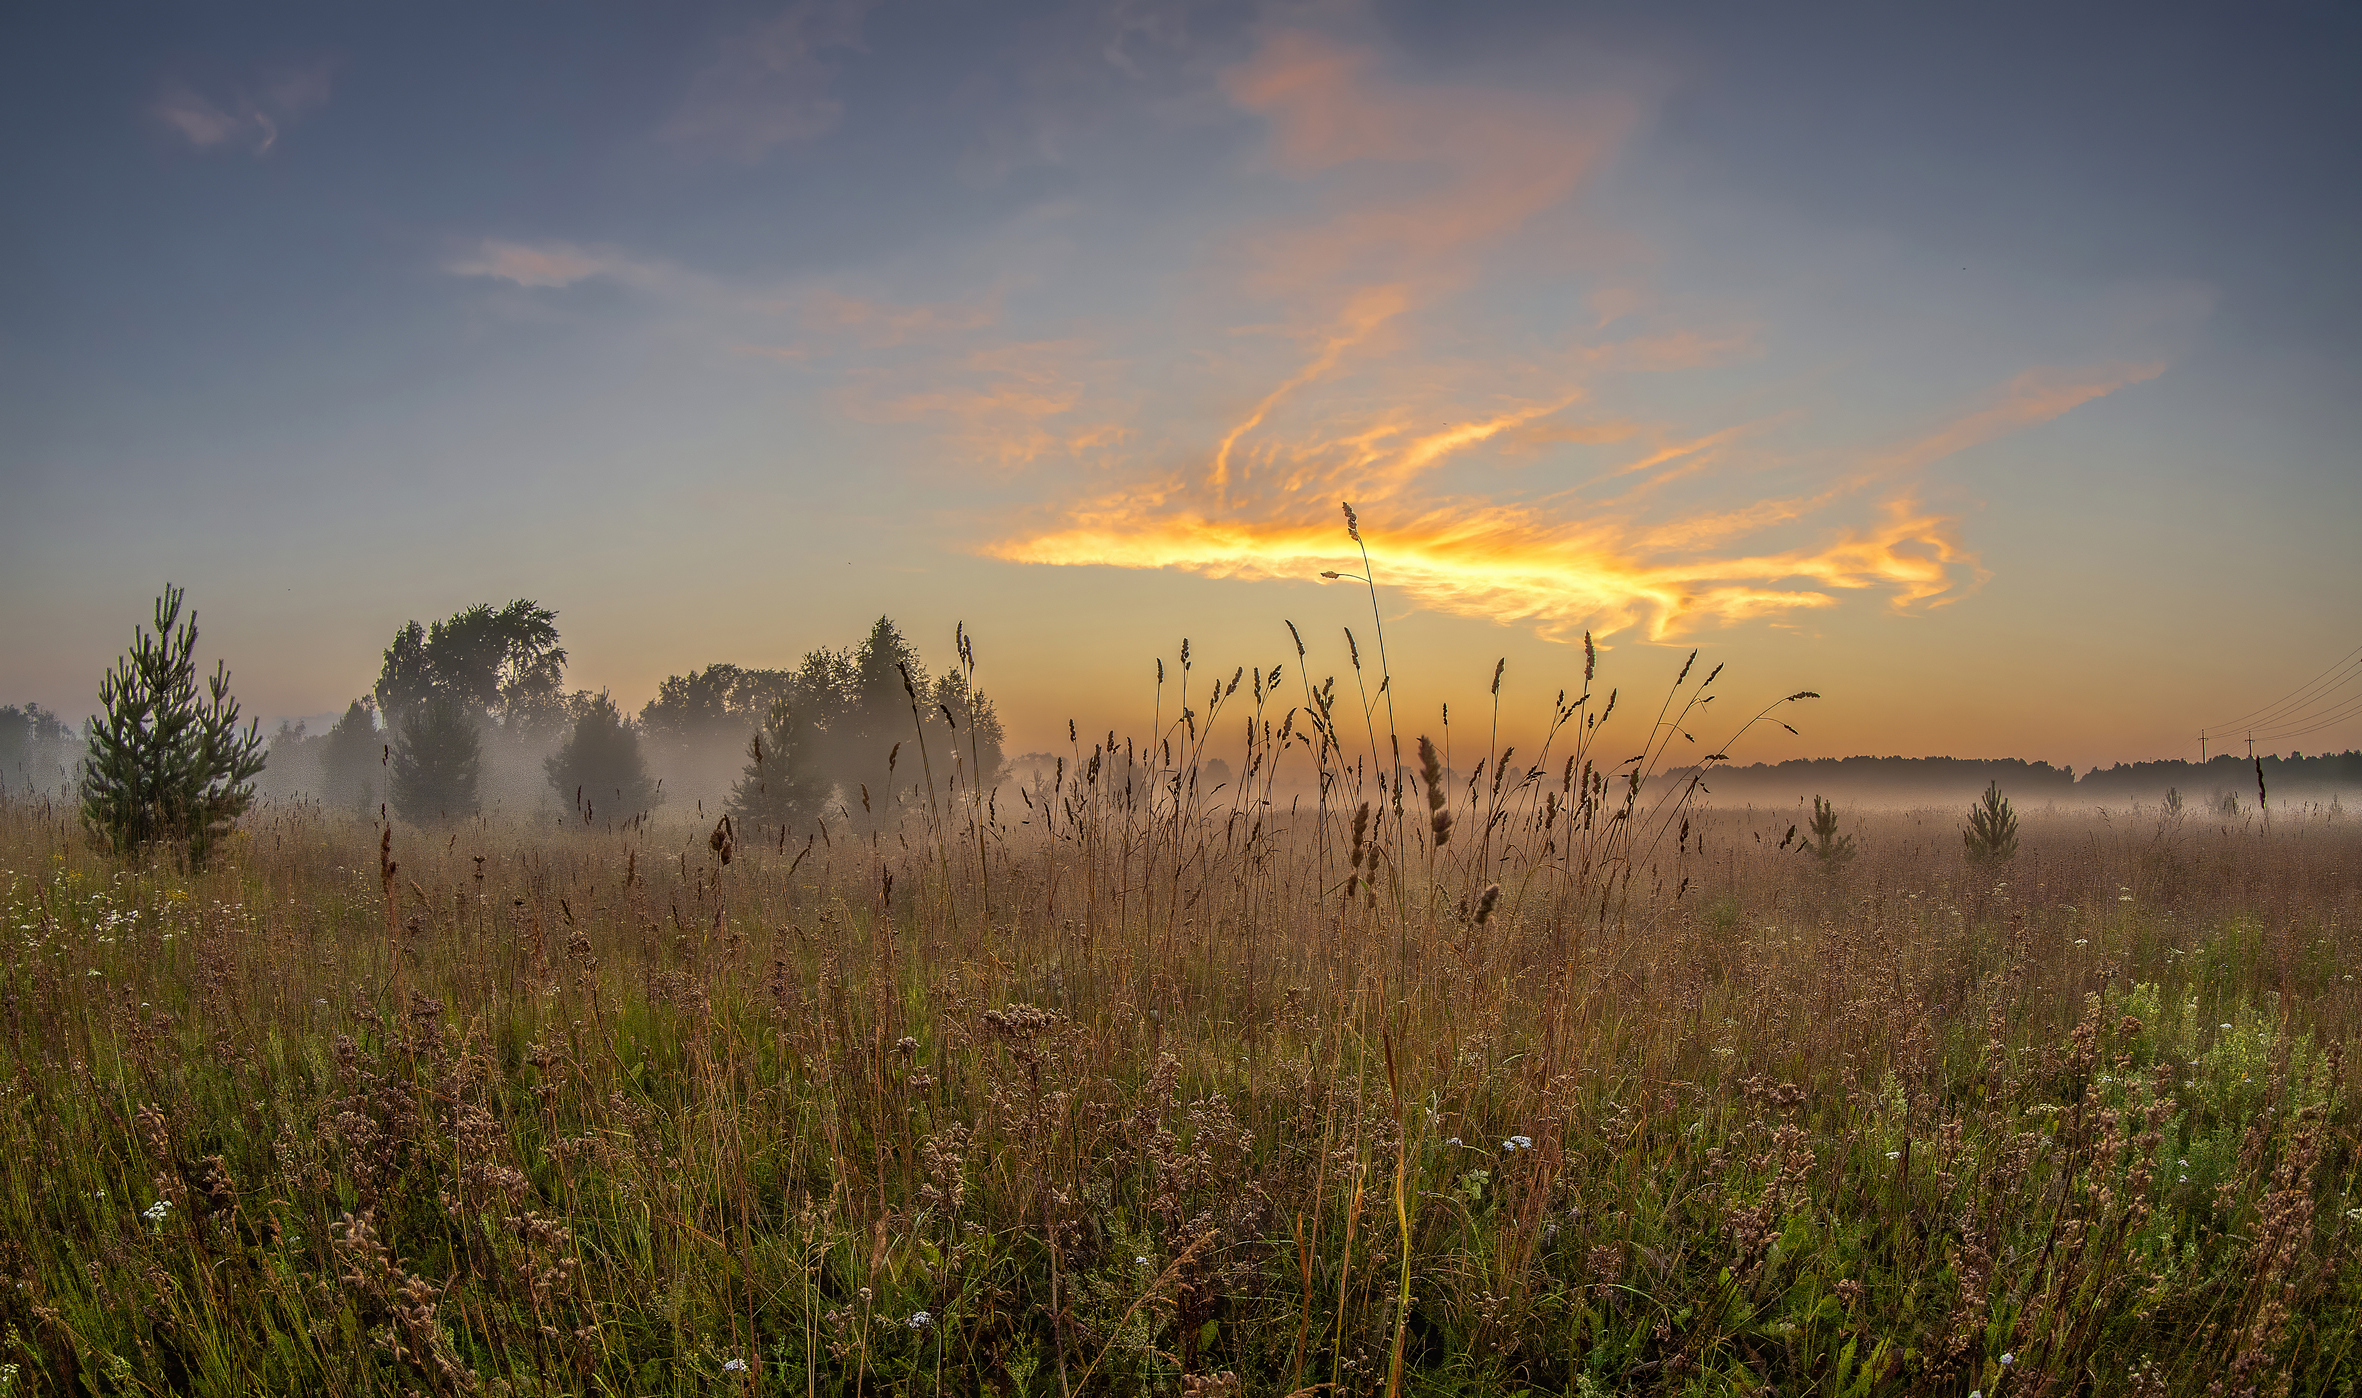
154 1213
1518 1143
2008 1359
733 1366
920 1320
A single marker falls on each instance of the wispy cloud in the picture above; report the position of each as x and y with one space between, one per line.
1401 394
1361 322
2032 398
252 118
775 83
555 265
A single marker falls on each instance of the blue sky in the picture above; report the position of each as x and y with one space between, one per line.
1992 372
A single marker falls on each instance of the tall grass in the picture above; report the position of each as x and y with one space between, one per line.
1356 1075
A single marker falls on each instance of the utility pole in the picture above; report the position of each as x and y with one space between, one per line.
2201 747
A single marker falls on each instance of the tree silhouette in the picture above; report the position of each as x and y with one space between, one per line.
349 758
436 759
600 766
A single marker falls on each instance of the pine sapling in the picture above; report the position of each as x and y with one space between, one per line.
1991 834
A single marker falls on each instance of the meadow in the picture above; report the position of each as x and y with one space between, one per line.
1545 1078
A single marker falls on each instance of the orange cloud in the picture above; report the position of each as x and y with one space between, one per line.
1413 187
1447 167
1011 404
1517 565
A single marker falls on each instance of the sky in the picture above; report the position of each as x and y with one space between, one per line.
1990 370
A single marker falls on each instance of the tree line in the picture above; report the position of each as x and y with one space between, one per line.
859 732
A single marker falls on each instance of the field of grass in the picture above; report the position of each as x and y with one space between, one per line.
1127 1087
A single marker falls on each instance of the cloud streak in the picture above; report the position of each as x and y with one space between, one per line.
773 85
1374 330
555 265
253 119
1410 188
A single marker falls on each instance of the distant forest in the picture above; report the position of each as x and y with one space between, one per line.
2292 777
471 713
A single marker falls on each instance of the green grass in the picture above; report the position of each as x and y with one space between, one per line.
620 1117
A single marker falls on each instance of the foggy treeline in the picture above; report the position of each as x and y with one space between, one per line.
38 750
471 714
1907 781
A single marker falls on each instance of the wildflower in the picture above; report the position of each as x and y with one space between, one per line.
2224 1027
1515 1143
2008 1359
154 1213
919 1320
733 1366
1894 1155
1453 1141
2083 941
2183 1163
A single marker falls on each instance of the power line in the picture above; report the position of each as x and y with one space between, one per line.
2314 722
2300 710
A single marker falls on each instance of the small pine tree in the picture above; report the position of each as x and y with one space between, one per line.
1991 834
783 783
436 759
166 762
1835 851
600 767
